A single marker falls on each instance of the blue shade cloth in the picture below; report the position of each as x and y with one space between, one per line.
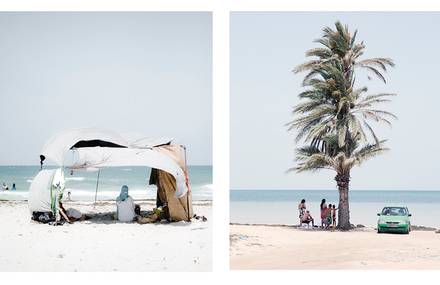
124 194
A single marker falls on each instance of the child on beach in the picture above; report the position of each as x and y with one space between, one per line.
334 215
301 209
307 218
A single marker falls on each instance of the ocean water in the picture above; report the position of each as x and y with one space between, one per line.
281 206
82 184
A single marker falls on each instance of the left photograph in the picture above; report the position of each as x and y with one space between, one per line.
106 149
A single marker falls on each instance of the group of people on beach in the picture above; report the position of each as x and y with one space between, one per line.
5 187
126 211
328 214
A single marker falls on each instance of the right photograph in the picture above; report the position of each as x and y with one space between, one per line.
334 140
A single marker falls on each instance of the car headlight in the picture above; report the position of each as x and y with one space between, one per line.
380 221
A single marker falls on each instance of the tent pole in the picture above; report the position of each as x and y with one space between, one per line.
97 182
187 194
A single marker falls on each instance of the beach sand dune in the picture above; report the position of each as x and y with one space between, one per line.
102 245
277 247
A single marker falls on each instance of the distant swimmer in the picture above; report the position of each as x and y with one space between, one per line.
5 187
13 187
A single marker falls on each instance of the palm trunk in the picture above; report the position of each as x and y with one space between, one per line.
343 181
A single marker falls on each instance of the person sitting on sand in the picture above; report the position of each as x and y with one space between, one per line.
125 207
301 209
323 208
307 218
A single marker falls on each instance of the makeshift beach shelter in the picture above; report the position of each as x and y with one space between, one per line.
93 149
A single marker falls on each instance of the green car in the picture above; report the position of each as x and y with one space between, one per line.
394 219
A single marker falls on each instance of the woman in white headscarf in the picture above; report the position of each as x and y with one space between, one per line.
125 206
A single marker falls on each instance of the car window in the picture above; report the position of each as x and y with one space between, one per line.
394 211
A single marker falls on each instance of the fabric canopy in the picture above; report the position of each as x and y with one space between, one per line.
98 157
95 148
58 146
45 188
138 141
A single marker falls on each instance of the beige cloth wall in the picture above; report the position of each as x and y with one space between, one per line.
179 209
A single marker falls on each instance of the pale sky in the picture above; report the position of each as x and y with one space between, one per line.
264 49
147 73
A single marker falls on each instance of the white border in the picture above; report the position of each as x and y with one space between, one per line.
221 139
213 5
221 9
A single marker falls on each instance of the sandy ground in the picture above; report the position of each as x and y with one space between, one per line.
278 247
103 245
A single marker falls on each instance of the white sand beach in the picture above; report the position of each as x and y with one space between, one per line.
282 247
103 245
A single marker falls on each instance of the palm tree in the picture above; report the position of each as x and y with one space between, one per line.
333 118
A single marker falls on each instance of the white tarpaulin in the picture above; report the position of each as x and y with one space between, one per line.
92 148
138 141
45 189
59 145
98 157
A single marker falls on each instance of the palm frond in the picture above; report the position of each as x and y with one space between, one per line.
333 118
369 151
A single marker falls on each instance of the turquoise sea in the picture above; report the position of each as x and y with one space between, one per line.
280 206
82 184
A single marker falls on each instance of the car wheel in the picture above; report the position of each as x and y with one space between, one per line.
407 230
378 230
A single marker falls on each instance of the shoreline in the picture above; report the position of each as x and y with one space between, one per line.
365 213
103 202
266 247
355 228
